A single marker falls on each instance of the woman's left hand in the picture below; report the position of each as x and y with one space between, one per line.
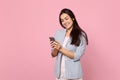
57 45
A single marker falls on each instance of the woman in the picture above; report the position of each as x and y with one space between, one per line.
69 46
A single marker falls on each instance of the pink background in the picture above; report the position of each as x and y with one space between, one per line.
25 26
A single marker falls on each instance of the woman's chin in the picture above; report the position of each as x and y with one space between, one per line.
67 27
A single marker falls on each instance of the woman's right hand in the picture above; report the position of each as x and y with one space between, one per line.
52 44
55 45
55 51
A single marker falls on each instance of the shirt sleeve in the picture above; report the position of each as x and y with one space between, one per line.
80 49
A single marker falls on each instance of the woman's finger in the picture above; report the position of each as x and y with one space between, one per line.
57 42
51 42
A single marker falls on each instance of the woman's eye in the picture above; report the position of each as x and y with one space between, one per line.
66 18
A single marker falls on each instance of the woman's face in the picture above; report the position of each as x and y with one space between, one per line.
66 21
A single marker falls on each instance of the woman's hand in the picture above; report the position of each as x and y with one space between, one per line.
51 44
55 44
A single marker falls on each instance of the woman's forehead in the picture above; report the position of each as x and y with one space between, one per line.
64 15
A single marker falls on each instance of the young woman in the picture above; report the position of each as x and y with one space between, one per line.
69 45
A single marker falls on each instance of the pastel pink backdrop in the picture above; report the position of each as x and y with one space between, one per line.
25 26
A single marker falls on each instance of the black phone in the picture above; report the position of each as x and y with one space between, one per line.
52 38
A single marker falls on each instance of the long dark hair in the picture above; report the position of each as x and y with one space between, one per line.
76 32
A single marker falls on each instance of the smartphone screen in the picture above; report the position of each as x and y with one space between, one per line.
52 38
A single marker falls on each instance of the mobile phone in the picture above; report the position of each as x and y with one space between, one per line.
52 38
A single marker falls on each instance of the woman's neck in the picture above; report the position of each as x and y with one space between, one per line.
68 31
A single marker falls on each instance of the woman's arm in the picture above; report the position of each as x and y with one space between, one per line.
64 51
67 53
58 48
77 54
54 52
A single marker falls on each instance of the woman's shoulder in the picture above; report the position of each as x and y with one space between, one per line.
59 31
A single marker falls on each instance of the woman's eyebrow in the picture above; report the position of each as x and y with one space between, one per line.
65 17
